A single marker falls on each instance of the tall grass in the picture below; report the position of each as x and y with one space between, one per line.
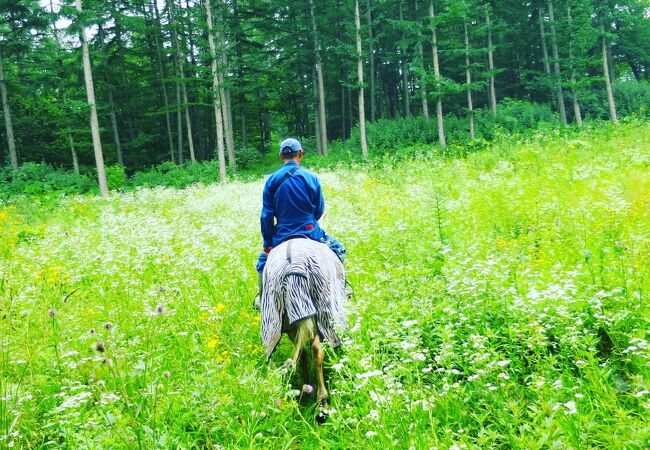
501 301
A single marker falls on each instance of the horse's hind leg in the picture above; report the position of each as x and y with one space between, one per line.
319 356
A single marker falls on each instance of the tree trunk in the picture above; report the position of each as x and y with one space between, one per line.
11 142
176 50
436 72
423 87
492 93
405 82
188 120
362 113
215 94
161 67
225 97
608 81
116 132
240 75
468 78
556 65
371 57
343 118
75 160
574 96
317 125
73 151
111 100
90 94
321 88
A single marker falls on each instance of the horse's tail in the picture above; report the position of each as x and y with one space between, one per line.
300 303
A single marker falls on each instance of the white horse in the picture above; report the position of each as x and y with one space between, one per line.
303 295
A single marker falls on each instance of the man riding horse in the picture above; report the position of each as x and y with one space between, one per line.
292 204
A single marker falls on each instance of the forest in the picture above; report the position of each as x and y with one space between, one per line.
134 84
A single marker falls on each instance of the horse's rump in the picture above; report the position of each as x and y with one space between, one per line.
302 279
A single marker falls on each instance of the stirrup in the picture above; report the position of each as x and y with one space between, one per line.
257 301
349 291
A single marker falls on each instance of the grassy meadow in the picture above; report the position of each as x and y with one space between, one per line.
501 301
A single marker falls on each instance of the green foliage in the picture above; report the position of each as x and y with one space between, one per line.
248 157
632 98
115 177
394 136
42 179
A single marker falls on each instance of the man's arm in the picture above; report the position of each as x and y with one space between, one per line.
319 201
267 217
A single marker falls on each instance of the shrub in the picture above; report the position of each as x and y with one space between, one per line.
40 179
248 157
115 177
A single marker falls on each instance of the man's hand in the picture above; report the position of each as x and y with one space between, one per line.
267 250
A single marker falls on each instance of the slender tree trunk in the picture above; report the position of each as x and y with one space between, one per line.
11 142
468 79
240 75
128 120
215 94
423 87
111 101
161 68
542 33
574 96
362 113
343 118
350 118
436 72
188 120
492 92
321 87
317 124
90 93
545 58
556 65
116 132
73 151
176 50
371 57
225 97
608 81
405 80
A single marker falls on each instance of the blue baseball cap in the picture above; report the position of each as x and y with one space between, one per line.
290 146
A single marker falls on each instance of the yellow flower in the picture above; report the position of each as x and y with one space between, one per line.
220 307
213 342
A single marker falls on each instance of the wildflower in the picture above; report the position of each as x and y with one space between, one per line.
220 307
307 389
108 326
213 342
160 309
371 434
166 374
51 313
99 347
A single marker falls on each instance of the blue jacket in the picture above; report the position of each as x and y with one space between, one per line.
294 209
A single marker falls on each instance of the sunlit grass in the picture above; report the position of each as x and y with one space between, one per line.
500 302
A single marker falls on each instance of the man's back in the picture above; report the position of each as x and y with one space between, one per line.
292 196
